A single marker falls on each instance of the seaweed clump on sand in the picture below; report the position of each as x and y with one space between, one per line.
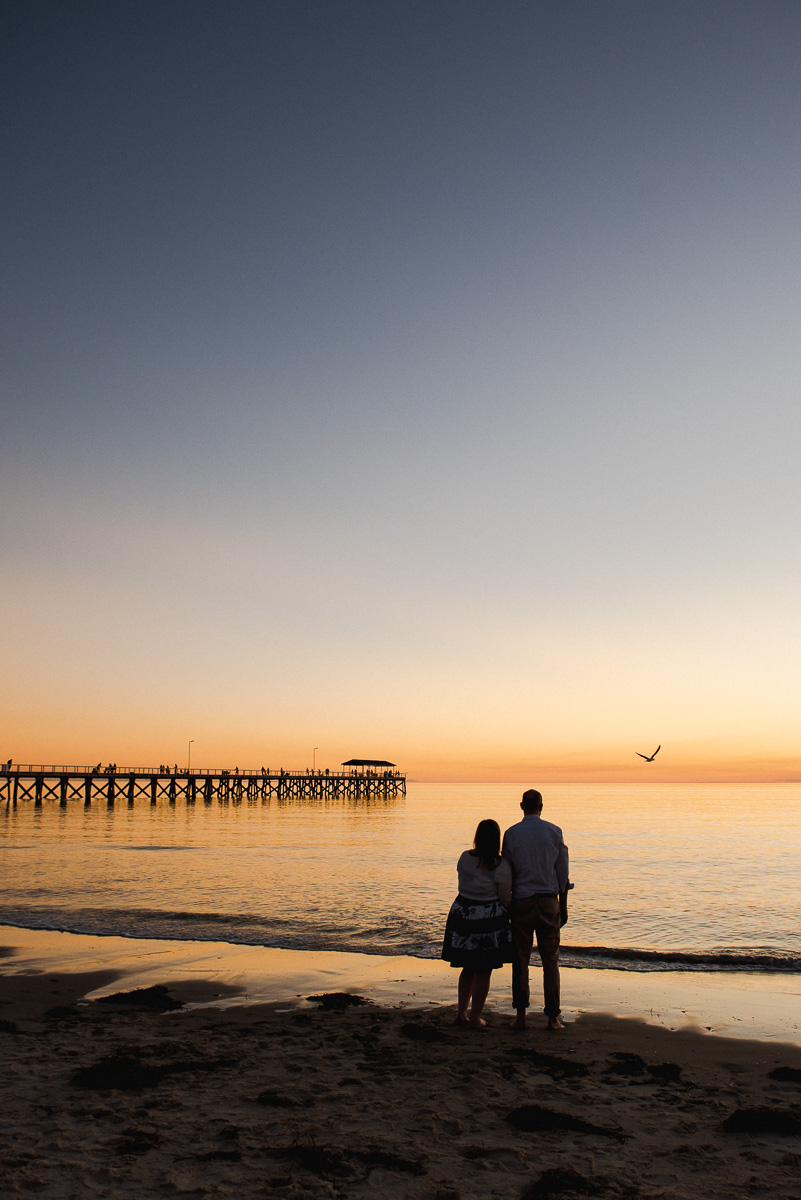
557 1182
422 1033
151 999
533 1118
337 1001
337 1162
627 1064
271 1098
127 1072
552 1064
786 1074
763 1120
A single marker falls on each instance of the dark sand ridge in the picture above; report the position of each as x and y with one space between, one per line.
110 1099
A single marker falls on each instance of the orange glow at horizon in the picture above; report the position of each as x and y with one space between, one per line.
128 741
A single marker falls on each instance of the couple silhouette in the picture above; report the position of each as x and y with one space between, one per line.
509 895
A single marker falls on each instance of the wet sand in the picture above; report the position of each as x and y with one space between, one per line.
738 1005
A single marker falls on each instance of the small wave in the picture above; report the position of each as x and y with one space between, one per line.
206 918
633 958
183 849
246 929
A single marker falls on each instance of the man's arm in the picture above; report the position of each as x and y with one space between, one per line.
563 877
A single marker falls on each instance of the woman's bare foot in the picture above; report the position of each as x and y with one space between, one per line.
555 1024
478 1023
461 1019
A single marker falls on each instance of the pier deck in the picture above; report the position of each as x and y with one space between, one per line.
88 785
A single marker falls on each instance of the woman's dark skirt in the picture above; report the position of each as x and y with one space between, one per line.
477 935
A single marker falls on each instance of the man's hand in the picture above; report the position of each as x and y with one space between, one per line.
562 909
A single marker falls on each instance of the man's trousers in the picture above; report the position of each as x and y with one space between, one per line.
536 916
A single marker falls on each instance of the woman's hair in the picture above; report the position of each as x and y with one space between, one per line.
487 844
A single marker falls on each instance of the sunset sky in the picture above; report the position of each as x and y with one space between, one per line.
416 379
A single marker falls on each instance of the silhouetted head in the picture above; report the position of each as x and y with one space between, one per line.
487 843
531 802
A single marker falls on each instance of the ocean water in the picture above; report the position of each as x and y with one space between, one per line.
695 877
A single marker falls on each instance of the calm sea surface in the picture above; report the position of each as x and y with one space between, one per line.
700 876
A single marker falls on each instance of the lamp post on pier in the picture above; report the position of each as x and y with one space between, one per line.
189 756
314 757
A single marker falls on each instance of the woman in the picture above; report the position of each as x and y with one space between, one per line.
477 934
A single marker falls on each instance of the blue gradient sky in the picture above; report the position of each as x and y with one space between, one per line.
417 380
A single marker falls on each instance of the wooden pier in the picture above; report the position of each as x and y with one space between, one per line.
127 785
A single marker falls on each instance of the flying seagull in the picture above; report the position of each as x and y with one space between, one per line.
652 757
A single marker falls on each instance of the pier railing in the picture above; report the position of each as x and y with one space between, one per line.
37 769
111 784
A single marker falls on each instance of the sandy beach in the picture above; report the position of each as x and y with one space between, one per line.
186 1090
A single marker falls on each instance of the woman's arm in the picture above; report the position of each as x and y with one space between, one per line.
503 878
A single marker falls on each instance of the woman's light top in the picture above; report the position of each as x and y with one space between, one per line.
477 883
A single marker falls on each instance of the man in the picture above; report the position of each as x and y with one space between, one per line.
537 854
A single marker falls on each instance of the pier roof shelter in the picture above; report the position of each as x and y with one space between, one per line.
367 762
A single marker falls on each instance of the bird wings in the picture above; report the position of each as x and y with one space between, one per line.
649 757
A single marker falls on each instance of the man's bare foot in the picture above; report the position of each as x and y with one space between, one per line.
478 1023
555 1024
519 1023
461 1019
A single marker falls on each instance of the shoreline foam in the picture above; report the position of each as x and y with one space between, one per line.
161 926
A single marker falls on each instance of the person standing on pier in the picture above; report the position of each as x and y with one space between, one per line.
538 856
